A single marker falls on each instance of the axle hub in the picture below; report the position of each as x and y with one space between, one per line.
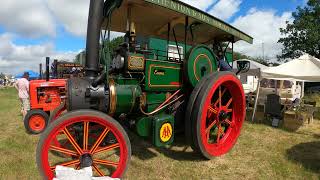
223 116
86 160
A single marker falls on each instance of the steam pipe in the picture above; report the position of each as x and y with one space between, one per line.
93 36
40 71
47 68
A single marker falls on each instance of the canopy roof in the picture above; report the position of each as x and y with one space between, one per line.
304 68
151 18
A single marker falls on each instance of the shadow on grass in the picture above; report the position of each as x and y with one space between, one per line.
316 136
179 150
306 154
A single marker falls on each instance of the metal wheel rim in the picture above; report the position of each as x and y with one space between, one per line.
51 138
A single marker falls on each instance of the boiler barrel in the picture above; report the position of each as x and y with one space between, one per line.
124 98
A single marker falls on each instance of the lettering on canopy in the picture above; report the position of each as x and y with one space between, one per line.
191 12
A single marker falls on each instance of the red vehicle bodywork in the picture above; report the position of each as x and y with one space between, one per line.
47 95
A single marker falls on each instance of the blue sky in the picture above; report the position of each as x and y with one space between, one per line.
66 41
57 28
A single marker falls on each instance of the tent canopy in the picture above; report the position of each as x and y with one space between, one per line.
304 68
32 74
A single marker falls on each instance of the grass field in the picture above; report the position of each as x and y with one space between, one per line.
262 152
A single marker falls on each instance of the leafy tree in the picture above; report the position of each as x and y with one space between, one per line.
303 34
114 43
2 76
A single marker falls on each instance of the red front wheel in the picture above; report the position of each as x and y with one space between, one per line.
218 115
108 153
36 121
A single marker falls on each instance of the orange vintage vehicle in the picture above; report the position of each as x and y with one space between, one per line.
45 96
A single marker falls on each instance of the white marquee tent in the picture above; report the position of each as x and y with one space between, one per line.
305 68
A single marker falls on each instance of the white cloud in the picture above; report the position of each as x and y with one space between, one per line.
225 9
37 18
73 14
28 18
200 4
263 26
15 58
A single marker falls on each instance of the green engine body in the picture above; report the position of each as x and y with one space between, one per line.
144 80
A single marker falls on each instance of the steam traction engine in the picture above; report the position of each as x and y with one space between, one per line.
159 80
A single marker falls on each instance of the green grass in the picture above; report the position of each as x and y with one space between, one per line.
262 152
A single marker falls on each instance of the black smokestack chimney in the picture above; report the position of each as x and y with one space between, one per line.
47 68
55 68
40 71
93 36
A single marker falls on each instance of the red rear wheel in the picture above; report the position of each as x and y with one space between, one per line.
218 114
36 121
57 112
93 139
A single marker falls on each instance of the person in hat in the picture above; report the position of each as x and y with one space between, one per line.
22 85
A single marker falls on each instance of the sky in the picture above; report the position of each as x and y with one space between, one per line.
31 30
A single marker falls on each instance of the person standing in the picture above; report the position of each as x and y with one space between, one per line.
22 85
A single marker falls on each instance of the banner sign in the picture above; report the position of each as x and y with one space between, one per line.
196 14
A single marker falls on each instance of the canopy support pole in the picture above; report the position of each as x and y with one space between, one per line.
257 97
175 39
302 93
232 50
168 39
185 36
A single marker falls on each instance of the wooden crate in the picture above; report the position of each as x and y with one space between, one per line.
259 116
292 120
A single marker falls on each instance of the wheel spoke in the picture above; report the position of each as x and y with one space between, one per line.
64 151
85 135
228 121
105 162
212 109
229 102
219 133
210 126
95 167
229 110
220 96
69 163
72 141
100 139
107 148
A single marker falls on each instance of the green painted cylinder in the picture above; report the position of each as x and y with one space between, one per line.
126 97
